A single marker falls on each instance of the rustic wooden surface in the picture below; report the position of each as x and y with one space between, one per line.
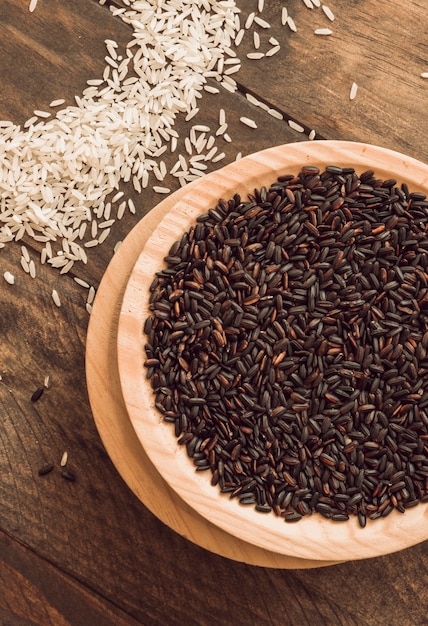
90 551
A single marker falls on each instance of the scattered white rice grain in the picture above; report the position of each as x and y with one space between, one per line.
273 50
221 130
249 21
117 196
25 265
248 122
81 282
227 137
284 15
192 114
238 156
117 246
56 298
312 135
57 103
353 91
229 86
25 253
291 24
424 75
260 5
211 89
328 12
9 278
255 55
308 3
277 114
273 41
292 124
47 382
256 40
64 459
219 157
261 22
91 295
88 308
32 269
131 206
323 31
32 6
67 267
44 114
158 189
239 37
103 236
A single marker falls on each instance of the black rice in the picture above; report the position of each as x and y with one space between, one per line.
287 343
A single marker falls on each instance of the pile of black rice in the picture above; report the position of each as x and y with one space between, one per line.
287 344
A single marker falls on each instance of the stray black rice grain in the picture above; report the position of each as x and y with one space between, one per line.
46 469
287 343
37 394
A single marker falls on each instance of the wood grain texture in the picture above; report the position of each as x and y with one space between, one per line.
36 593
382 46
96 530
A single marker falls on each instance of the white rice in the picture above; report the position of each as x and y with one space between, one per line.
9 278
353 91
61 172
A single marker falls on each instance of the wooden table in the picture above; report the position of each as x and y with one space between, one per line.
89 551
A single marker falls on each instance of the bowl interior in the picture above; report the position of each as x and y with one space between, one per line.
313 536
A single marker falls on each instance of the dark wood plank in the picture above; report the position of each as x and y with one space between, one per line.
382 48
94 530
45 52
36 593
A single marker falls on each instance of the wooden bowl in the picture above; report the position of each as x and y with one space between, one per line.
313 537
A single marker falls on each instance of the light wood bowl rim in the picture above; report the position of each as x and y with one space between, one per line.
313 537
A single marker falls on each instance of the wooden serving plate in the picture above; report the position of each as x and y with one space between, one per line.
314 537
116 431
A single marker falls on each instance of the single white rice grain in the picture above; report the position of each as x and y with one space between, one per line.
424 75
291 24
273 50
328 12
249 21
312 135
91 295
64 459
292 124
261 22
284 15
256 40
9 278
353 91
47 382
81 282
57 103
308 3
255 55
32 6
323 31
56 298
158 189
277 114
248 122
260 5
43 114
